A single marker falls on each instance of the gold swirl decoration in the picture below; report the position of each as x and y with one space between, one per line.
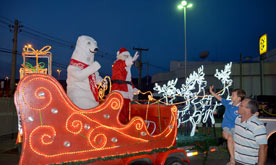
74 123
41 136
103 87
115 104
139 124
35 96
97 140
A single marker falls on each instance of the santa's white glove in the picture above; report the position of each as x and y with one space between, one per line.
135 91
135 57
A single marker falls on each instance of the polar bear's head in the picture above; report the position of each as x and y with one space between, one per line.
85 49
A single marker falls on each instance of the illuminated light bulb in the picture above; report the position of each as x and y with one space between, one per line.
31 119
106 116
184 3
180 7
143 133
41 94
87 126
67 144
190 5
114 140
54 111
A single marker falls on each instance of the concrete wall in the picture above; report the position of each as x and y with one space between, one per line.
8 116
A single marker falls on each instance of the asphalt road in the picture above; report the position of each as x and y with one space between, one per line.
9 155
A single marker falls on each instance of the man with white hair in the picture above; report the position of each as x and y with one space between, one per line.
121 80
250 135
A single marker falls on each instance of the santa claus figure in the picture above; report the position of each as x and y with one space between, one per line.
121 80
83 75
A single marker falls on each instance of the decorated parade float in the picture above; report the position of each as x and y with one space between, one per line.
53 130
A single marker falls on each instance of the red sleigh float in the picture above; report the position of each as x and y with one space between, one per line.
56 131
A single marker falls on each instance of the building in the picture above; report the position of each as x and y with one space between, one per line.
245 74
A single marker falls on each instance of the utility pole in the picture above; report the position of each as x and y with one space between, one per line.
240 71
263 50
262 57
140 65
14 54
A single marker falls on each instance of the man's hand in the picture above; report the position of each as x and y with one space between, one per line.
135 57
135 91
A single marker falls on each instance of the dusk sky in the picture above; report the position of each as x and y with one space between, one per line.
224 28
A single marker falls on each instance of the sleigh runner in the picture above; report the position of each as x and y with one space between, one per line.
56 131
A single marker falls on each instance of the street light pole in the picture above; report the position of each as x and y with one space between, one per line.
185 42
183 5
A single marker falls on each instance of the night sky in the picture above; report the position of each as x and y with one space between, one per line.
224 28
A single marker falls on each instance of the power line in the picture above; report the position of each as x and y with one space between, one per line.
41 36
44 39
5 50
4 22
5 27
38 34
103 54
7 19
49 36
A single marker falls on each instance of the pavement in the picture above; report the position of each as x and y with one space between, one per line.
9 154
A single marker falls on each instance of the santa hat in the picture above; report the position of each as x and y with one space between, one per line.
123 51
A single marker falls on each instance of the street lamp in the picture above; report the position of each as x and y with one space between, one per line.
59 70
183 5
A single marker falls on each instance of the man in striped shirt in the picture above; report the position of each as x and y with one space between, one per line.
250 135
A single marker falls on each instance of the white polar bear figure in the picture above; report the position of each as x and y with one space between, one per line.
83 75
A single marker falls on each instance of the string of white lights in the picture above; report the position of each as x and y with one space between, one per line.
198 106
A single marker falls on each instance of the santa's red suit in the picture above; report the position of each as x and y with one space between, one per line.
121 80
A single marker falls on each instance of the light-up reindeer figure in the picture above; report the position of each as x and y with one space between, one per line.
224 77
196 103
208 106
168 91
190 91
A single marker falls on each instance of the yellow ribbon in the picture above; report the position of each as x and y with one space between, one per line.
29 50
